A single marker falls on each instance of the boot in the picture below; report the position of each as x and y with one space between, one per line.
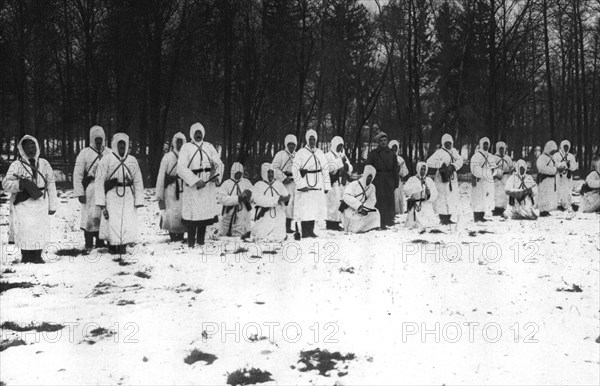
544 213
122 249
112 249
191 231
36 256
498 211
99 242
26 256
89 239
561 208
305 225
333 225
200 234
575 207
311 229
297 234
288 225
445 219
176 236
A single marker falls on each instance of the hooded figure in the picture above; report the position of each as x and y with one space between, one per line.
270 197
547 169
119 191
421 193
504 170
84 175
201 169
564 179
30 181
590 192
521 189
282 165
385 162
359 213
446 161
339 172
235 195
483 170
169 188
311 176
399 191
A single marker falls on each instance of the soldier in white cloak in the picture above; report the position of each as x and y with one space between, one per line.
119 191
169 188
547 169
311 176
590 191
30 181
564 179
201 169
421 193
399 192
505 169
282 164
483 170
235 195
270 197
359 214
84 176
522 190
446 161
339 172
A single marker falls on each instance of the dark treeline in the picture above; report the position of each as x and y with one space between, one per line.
522 71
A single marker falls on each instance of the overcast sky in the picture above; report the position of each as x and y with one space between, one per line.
372 5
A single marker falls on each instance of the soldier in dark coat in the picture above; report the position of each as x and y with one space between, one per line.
385 162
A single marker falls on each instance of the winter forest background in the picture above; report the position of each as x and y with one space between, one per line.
252 71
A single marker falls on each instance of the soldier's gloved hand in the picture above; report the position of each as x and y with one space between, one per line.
82 199
283 199
427 192
161 205
200 184
450 169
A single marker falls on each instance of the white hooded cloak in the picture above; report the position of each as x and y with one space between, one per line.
547 169
310 171
335 163
505 169
590 201
86 165
447 202
399 192
483 169
270 226
235 216
564 179
359 194
421 213
171 193
523 209
282 165
31 220
121 227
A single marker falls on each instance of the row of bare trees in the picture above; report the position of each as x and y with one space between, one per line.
252 71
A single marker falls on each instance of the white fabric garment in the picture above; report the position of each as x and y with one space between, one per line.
564 179
590 201
447 202
30 218
421 214
171 193
482 166
358 194
335 163
265 194
203 158
85 167
235 217
505 169
282 165
399 191
523 209
120 202
546 166
310 205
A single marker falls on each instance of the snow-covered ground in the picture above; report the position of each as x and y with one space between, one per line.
409 310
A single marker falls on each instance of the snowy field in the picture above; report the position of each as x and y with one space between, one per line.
506 302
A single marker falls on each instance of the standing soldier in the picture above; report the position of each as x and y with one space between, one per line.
235 195
168 191
564 179
270 197
547 169
282 165
483 170
387 179
119 191
312 185
83 185
339 171
521 189
505 168
421 193
200 168
30 180
399 192
446 161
